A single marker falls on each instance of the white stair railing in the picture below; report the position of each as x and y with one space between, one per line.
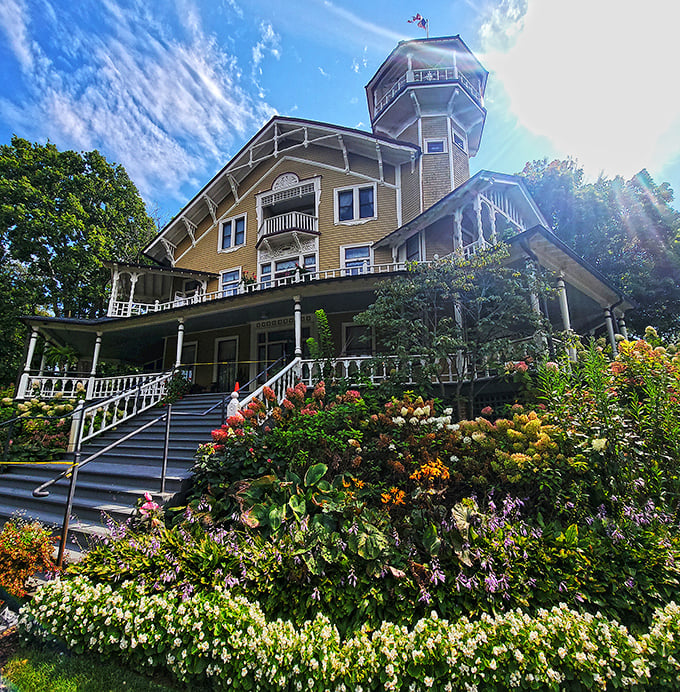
279 383
96 418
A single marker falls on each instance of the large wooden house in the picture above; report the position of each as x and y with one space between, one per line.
311 215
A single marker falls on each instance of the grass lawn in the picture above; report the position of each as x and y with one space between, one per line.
32 669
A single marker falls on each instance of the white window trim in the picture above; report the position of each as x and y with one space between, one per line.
427 140
463 137
217 350
227 271
343 352
346 247
261 196
233 219
355 196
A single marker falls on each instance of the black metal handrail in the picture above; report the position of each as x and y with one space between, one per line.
41 491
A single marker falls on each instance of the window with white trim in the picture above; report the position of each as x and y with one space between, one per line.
435 146
232 233
459 141
230 282
356 258
355 204
265 274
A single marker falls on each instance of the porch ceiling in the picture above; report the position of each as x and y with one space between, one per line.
137 338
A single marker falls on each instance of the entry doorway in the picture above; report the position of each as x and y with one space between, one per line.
188 362
226 363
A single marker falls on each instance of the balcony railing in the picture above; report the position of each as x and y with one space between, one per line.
129 309
291 221
428 76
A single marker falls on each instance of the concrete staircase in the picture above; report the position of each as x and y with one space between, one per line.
112 483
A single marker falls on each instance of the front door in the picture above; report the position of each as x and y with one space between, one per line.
226 359
188 366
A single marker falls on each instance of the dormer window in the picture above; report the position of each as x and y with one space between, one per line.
355 204
232 233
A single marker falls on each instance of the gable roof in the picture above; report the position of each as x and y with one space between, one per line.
279 136
480 182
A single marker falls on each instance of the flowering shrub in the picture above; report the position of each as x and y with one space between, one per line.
25 548
42 429
222 640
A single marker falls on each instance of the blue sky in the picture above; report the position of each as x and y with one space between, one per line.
172 88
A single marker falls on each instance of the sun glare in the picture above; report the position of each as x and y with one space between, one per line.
595 77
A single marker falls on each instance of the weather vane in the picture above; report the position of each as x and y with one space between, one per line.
420 21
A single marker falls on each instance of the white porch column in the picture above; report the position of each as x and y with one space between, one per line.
23 382
458 229
610 329
114 292
622 327
180 342
478 212
133 282
95 362
564 310
492 221
298 327
564 305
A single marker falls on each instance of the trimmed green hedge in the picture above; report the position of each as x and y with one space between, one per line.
228 641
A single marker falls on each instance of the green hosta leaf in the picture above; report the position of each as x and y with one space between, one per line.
298 505
571 535
276 517
315 474
431 540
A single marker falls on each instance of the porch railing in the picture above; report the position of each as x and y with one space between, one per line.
127 309
49 386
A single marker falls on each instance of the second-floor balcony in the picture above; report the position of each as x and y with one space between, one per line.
430 75
287 223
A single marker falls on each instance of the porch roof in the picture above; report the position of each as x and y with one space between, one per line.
541 244
132 338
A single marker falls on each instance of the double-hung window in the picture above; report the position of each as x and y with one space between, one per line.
355 204
356 259
232 232
231 280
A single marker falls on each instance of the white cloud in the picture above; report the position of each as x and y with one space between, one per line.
593 76
269 43
14 23
323 72
168 108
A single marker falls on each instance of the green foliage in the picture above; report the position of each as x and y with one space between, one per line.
41 429
223 641
62 215
177 387
472 308
627 229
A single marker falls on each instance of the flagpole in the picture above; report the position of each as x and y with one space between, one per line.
427 28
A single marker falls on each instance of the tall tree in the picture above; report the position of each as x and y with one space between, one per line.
62 214
472 312
626 228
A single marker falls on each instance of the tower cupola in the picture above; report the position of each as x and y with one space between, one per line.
430 92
